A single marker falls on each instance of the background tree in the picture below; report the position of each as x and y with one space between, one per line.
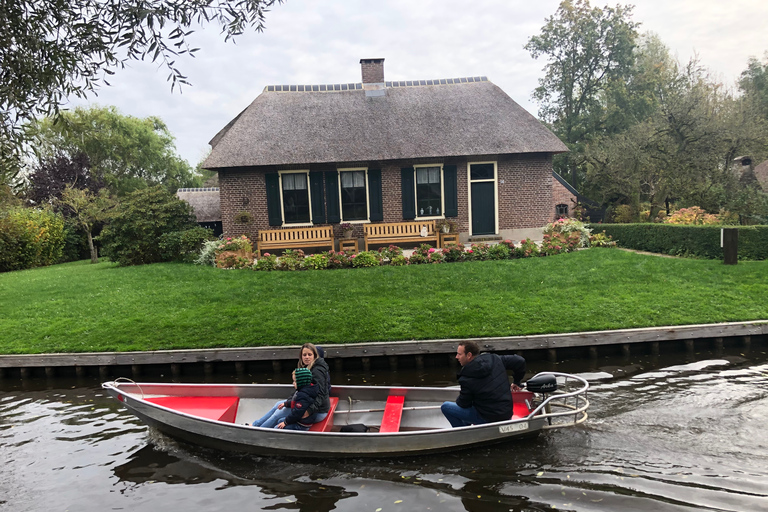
58 48
125 152
588 49
133 234
52 175
88 210
754 83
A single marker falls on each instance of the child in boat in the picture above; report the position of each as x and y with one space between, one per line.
302 399
288 414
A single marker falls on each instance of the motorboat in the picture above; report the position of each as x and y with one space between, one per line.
364 421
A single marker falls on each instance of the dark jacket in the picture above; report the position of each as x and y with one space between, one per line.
485 385
321 377
299 402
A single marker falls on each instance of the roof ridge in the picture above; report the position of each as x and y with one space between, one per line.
358 86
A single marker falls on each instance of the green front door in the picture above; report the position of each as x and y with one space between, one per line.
482 179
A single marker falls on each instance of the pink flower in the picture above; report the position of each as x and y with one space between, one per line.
469 250
431 250
266 255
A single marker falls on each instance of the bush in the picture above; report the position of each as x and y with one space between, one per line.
315 262
556 243
75 243
398 261
453 252
207 254
30 238
291 260
184 245
133 233
241 243
693 216
499 251
601 240
567 226
417 259
696 241
477 252
390 252
527 249
337 259
266 262
365 259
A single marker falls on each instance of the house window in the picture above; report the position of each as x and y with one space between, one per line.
429 197
354 197
561 210
295 198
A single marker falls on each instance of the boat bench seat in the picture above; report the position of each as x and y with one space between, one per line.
520 408
393 413
327 423
220 408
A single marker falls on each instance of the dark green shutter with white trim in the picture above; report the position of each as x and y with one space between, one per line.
318 205
409 193
274 213
374 195
451 191
332 196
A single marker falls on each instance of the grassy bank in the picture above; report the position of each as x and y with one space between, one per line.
81 307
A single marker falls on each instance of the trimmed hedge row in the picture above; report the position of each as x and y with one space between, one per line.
693 241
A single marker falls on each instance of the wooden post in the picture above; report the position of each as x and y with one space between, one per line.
593 352
625 350
552 355
393 363
240 368
689 347
136 371
420 363
730 245
276 366
103 372
747 343
655 348
50 372
718 342
338 365
175 370
2 373
366 364
208 369
26 373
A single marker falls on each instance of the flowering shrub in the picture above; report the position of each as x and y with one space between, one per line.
208 253
315 262
527 249
365 259
692 216
417 259
266 262
337 259
291 260
601 240
398 261
499 252
566 226
241 243
554 244
230 259
453 252
390 252
477 252
436 257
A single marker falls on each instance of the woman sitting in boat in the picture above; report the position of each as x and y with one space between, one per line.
300 401
310 359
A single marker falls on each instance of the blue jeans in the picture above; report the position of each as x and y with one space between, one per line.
273 417
460 416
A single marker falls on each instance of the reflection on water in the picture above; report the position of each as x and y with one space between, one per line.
664 434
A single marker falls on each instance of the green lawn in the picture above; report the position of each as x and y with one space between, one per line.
80 307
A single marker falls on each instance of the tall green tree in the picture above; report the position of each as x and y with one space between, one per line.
754 83
587 50
126 152
88 210
55 49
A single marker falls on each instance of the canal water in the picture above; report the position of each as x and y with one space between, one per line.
675 432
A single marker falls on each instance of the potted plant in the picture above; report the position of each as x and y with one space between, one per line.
446 226
347 229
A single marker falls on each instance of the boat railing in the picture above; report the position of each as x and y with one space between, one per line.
565 407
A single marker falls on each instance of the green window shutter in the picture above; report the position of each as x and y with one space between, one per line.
409 193
318 205
332 196
376 203
451 191
274 213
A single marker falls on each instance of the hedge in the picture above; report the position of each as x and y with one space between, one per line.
693 241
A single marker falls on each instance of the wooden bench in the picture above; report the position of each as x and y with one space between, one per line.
327 423
395 232
294 238
393 413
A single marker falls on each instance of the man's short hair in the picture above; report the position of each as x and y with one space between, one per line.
470 347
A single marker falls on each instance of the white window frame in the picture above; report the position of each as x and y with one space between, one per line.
309 197
416 193
367 196
495 181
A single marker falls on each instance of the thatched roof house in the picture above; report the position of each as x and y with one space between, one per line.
386 151
205 202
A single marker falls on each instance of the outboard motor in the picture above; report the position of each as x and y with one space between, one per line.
542 384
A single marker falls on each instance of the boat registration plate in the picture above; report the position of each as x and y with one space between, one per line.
513 427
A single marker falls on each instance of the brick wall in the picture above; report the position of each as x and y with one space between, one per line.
525 196
561 195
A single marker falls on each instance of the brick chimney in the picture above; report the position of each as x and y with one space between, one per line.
373 77
373 71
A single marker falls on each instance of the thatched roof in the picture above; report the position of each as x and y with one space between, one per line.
434 118
205 202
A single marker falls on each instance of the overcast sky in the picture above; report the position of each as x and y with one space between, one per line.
313 42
